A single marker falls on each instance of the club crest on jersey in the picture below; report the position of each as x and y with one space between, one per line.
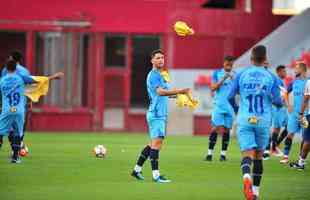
13 109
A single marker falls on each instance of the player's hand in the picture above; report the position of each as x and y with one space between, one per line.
184 91
58 75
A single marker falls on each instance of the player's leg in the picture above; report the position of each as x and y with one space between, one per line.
1 141
144 155
293 127
300 164
262 139
282 136
274 142
218 123
226 135
246 140
212 142
18 130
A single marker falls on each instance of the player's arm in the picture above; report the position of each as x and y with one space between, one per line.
233 92
55 76
306 98
287 100
276 95
216 84
164 92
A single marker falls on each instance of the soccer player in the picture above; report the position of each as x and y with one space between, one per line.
158 92
279 120
300 164
222 113
258 90
22 71
293 126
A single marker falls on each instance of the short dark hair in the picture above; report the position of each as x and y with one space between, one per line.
259 54
229 58
17 56
280 67
302 65
156 52
11 65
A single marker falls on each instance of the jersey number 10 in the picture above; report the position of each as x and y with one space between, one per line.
255 103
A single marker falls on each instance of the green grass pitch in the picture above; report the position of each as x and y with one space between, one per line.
62 167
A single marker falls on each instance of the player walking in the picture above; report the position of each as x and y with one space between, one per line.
258 90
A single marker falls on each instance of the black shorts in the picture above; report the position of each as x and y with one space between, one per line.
306 133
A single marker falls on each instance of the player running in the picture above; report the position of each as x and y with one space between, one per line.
279 120
258 90
300 164
223 113
158 92
293 126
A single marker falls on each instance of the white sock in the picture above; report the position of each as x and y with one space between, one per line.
155 174
255 190
247 176
138 168
223 153
210 152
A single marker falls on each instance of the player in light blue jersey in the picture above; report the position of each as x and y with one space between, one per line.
222 113
258 90
12 117
158 91
22 71
293 126
279 120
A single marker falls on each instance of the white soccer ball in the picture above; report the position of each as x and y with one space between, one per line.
100 151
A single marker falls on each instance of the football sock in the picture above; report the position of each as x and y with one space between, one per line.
274 139
212 141
145 153
257 172
301 161
223 153
225 140
246 166
1 140
15 146
154 155
282 136
288 145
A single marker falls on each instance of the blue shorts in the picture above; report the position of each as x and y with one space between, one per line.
252 137
306 133
222 119
293 124
279 117
157 127
12 122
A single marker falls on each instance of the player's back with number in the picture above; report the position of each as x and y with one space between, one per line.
257 88
12 87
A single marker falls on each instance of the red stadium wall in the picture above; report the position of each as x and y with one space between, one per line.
218 33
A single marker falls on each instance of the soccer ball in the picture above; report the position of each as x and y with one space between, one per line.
24 151
100 151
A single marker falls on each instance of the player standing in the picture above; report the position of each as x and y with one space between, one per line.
158 92
300 164
279 120
258 90
222 113
293 126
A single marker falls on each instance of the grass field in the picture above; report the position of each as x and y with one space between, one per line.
62 167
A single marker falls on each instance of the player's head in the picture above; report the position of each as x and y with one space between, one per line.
17 56
259 55
11 65
228 63
300 69
281 71
157 58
